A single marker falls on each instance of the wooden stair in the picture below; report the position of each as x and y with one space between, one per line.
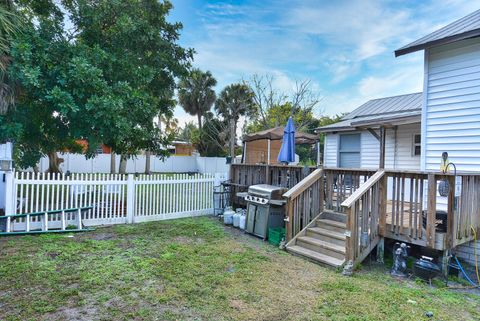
323 240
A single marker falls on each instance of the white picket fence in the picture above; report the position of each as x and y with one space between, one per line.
115 199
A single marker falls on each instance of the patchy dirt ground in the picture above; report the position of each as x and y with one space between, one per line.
197 269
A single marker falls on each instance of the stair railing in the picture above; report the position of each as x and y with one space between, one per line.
304 203
364 209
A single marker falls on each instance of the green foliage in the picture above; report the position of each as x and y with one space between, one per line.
278 115
105 82
211 140
196 94
234 101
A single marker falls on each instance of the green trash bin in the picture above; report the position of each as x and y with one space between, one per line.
276 235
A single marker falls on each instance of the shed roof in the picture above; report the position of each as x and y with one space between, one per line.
381 111
464 28
277 133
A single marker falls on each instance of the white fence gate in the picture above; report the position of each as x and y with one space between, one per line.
114 199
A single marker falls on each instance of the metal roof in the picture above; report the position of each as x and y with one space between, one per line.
387 105
380 110
464 28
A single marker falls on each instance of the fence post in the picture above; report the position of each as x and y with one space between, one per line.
9 197
130 198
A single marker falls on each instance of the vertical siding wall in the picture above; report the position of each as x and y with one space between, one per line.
452 111
398 149
452 105
330 151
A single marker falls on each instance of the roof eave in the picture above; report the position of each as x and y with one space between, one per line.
411 119
443 41
333 129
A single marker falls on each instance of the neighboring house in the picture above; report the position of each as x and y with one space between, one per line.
353 142
181 148
420 127
178 147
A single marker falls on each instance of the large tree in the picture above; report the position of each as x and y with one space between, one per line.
234 101
105 80
143 59
196 94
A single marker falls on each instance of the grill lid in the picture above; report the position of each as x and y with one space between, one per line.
267 191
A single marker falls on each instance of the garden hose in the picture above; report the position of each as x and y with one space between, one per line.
464 273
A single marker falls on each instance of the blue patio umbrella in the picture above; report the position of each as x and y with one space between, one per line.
287 152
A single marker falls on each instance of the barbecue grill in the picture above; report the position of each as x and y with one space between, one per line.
265 209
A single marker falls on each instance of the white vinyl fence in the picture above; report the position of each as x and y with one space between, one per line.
114 199
77 163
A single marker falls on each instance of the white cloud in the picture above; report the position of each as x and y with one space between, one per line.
345 47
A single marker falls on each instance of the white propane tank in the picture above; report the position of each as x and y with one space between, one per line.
228 216
236 219
243 221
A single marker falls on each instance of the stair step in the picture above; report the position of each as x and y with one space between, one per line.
331 225
334 216
318 257
327 235
323 247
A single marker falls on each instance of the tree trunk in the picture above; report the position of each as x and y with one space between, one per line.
123 164
232 139
147 162
199 121
112 162
54 163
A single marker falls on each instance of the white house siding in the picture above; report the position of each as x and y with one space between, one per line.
330 150
369 150
452 110
452 105
398 154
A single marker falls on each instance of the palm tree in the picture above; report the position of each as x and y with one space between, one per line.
9 26
234 101
196 94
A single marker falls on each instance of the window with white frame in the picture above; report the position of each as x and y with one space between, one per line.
417 145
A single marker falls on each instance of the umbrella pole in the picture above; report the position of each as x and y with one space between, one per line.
268 152
267 168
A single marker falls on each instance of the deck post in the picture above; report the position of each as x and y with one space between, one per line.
289 221
445 259
381 163
318 154
382 191
449 238
431 210
380 250
351 235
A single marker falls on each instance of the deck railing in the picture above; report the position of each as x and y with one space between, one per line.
323 189
304 203
363 209
401 205
411 210
244 175
341 183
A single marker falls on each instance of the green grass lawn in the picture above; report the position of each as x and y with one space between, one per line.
193 269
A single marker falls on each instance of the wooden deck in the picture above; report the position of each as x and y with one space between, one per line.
400 205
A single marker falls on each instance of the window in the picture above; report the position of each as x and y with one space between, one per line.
417 145
99 150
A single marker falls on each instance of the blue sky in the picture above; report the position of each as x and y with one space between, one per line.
344 47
